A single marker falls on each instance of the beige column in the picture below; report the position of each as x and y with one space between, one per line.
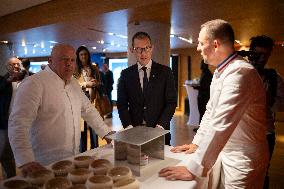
160 36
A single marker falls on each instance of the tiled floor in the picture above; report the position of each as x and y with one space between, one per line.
181 134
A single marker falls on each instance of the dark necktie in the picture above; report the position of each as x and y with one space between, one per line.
145 79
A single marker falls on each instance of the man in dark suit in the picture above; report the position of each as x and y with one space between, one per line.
146 91
108 84
27 64
8 86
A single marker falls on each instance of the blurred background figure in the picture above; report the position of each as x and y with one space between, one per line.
203 89
42 67
26 64
90 80
108 76
8 85
260 50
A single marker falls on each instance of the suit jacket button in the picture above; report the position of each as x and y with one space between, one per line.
145 107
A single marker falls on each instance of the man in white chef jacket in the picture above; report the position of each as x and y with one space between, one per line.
44 125
234 125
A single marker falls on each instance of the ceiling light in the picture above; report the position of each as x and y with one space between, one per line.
102 42
238 41
42 44
104 50
4 42
94 48
33 51
112 43
23 43
26 50
172 35
122 36
111 33
52 42
184 39
118 45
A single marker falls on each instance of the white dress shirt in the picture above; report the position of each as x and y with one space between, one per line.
44 124
141 72
233 127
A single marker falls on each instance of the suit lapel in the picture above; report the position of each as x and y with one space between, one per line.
154 73
136 81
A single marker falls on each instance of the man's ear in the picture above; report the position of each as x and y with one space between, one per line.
49 60
216 44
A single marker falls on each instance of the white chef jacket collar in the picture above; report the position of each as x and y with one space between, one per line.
225 62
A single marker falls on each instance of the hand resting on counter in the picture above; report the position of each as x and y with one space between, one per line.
187 148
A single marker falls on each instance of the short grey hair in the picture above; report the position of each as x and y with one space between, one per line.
219 29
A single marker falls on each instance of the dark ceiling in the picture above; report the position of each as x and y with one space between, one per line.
87 22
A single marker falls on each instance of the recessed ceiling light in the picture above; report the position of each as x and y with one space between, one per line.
52 42
122 36
26 50
238 41
23 43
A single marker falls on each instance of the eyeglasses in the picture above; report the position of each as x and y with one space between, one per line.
140 50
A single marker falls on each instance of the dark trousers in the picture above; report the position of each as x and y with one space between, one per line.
93 137
202 102
168 139
6 156
108 93
271 143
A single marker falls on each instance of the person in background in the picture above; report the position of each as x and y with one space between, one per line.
203 89
108 75
146 93
26 63
90 81
8 86
233 127
261 48
44 125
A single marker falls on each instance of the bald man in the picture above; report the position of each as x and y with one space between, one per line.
44 125
8 86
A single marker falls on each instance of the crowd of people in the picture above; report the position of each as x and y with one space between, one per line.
41 113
